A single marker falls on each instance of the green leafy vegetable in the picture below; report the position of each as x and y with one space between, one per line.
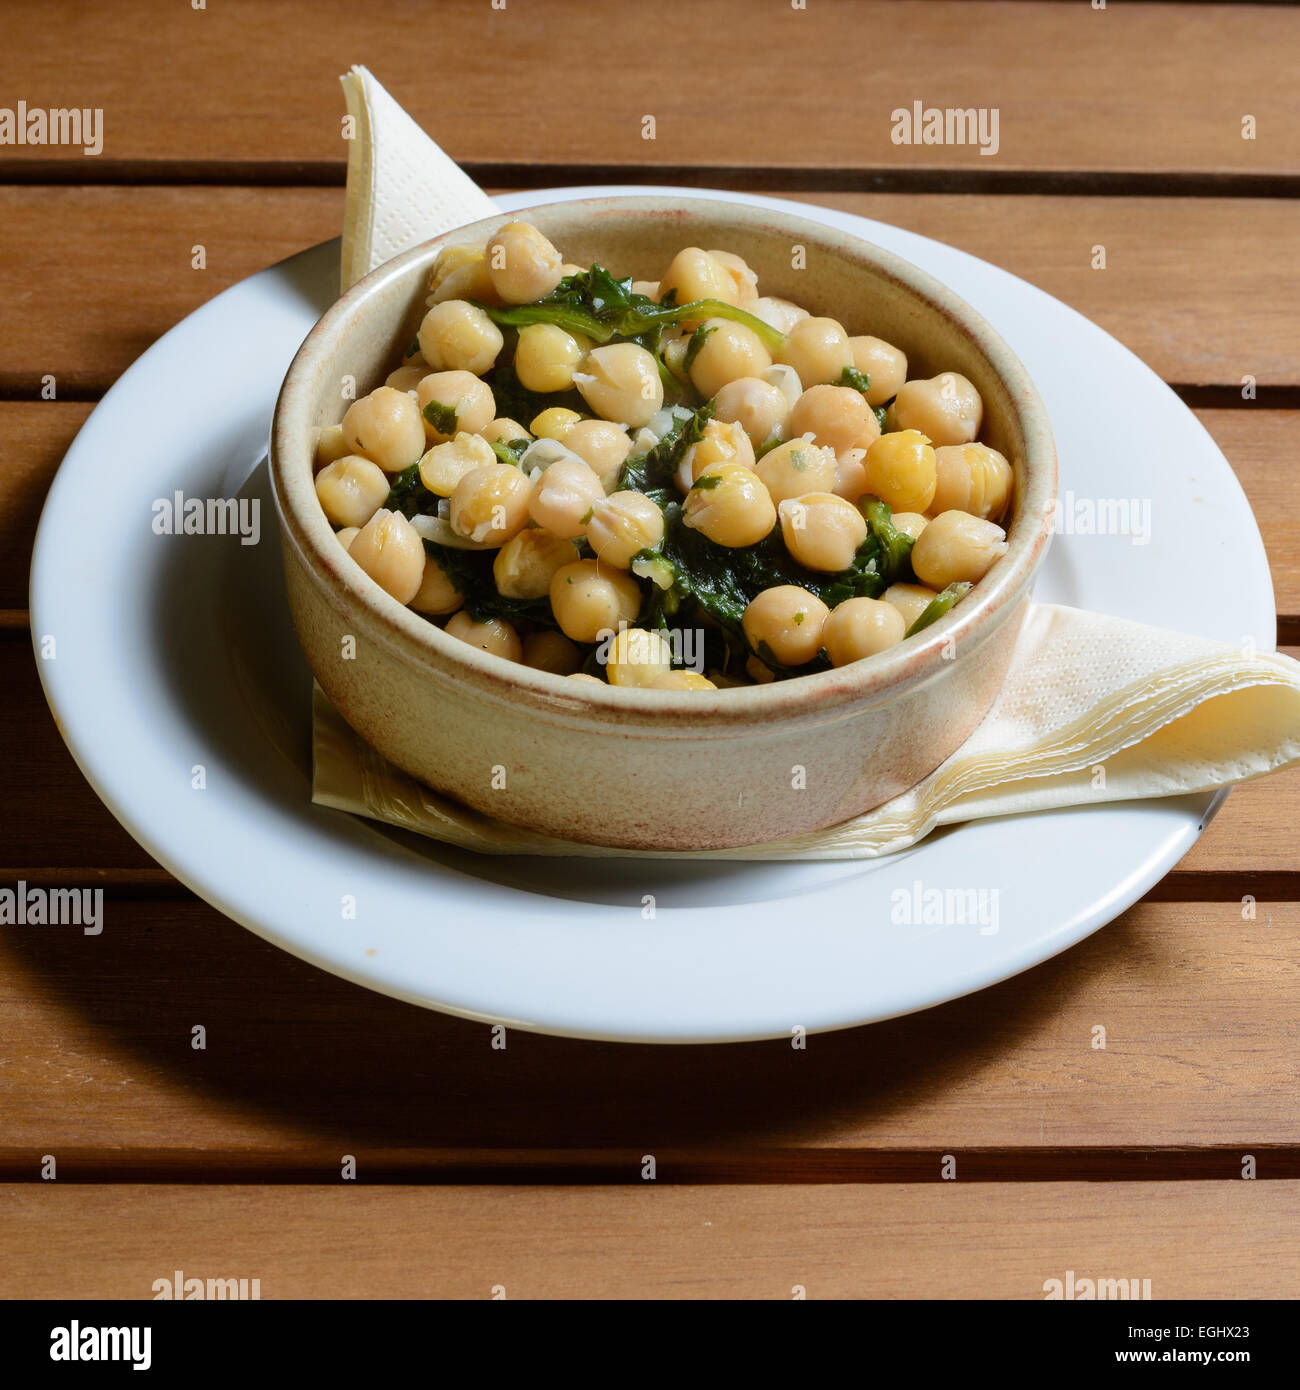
596 305
938 606
859 381
514 401
409 495
698 339
510 450
471 572
653 471
443 418
895 545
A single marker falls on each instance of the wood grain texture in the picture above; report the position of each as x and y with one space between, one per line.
1169 291
1228 1240
1197 1004
1134 87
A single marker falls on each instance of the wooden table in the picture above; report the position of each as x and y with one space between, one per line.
1120 127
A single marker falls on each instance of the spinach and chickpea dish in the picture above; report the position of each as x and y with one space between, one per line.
569 468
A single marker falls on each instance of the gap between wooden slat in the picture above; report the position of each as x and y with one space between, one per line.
755 178
624 1167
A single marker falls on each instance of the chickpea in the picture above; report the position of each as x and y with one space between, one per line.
437 595
461 272
503 429
730 505
347 535
883 363
695 274
946 408
461 392
407 378
583 676
788 621
797 467
330 445
850 474
554 422
457 336
779 313
836 416
637 657
743 278
385 428
818 349
391 552
526 564
910 523
722 443
523 264
489 505
546 357
494 636
911 600
901 470
957 546
563 499
621 525
822 531
682 680
861 627
729 352
443 466
649 288
551 651
674 350
351 490
601 445
621 382
588 600
972 478
758 407
759 672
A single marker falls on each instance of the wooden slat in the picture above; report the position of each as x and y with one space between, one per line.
1157 294
52 814
1197 1004
36 435
1256 441
1132 87
1230 1240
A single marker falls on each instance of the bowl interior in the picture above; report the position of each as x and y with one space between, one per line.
870 291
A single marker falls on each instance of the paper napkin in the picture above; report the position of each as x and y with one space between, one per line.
402 189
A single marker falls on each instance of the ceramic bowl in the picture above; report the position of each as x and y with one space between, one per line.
646 769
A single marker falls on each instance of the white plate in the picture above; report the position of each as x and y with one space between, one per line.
174 652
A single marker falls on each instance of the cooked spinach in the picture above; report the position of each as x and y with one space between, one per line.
442 417
859 381
471 572
938 606
895 545
514 401
510 450
409 495
652 472
698 339
596 305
